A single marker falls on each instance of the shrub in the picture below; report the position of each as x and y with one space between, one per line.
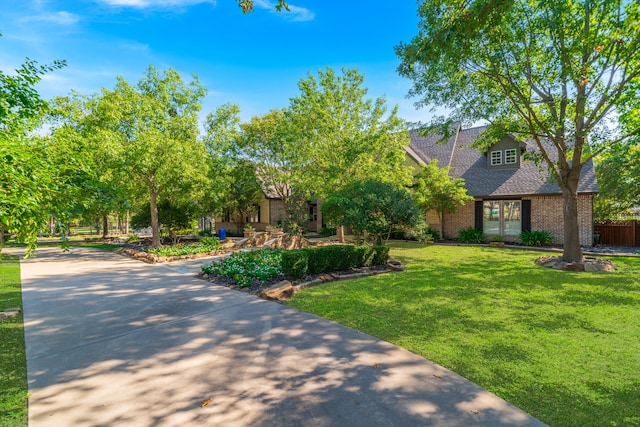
327 259
328 231
535 238
261 265
318 260
381 255
471 235
206 244
133 238
295 264
205 232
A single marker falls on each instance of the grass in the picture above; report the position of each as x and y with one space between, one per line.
562 346
13 362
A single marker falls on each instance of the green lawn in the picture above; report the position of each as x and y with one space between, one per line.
563 346
13 364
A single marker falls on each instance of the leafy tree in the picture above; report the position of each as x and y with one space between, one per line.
372 207
270 141
29 193
618 175
553 72
78 132
154 129
247 5
172 215
347 136
436 190
245 192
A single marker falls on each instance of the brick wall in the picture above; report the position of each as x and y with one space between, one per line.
546 214
464 217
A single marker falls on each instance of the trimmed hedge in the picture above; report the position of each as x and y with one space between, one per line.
295 264
327 259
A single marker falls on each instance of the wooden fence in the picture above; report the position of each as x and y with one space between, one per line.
617 233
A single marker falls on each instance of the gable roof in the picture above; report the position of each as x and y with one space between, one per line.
470 164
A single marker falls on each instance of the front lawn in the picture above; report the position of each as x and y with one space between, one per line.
563 346
13 365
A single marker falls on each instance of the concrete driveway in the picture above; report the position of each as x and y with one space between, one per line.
116 342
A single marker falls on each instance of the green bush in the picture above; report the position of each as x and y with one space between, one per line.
535 238
471 235
206 244
319 259
328 231
381 255
327 259
295 264
261 265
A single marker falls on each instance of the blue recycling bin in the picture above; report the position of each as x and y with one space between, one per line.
222 234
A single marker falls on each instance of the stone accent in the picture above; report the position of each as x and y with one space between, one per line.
587 264
279 292
8 313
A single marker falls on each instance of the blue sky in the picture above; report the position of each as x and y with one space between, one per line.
253 60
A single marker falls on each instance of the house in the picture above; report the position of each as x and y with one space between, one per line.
269 211
510 194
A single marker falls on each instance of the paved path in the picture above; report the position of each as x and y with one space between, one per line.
115 342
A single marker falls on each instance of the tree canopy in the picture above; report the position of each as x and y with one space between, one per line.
550 71
372 207
29 189
436 190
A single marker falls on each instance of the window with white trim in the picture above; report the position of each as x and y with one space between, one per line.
510 157
496 158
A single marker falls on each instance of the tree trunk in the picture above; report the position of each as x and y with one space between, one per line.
126 225
155 224
1 236
105 226
341 234
572 250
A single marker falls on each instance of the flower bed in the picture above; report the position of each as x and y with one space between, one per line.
247 268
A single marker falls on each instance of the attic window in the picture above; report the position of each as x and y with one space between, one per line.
510 157
496 158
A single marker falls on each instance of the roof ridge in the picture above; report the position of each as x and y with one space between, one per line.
455 144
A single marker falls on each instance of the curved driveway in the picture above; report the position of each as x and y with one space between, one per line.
116 342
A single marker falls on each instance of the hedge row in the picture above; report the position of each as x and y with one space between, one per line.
326 259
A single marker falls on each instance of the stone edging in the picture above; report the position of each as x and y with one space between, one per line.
9 313
284 290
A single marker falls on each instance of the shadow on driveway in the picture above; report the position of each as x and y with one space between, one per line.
112 341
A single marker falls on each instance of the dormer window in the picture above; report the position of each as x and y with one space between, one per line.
510 157
496 158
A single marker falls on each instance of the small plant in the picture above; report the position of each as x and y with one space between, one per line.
535 238
496 238
205 232
133 238
261 265
206 244
471 235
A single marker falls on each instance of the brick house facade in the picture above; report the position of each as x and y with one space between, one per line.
510 194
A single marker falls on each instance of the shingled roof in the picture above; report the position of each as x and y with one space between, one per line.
470 164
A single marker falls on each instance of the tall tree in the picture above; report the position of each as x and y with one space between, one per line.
281 161
347 136
29 192
436 190
551 71
618 173
154 125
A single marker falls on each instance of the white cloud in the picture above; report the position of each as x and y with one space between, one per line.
295 13
60 18
153 3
